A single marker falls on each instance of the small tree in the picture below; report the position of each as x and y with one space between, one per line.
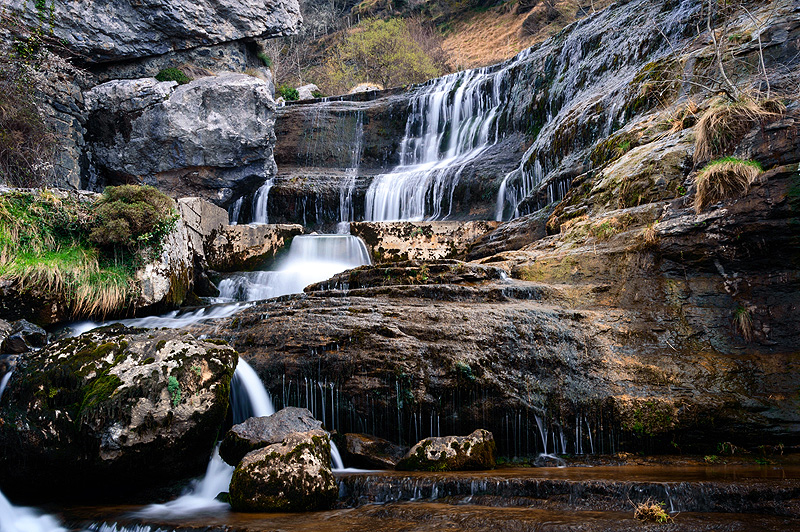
381 51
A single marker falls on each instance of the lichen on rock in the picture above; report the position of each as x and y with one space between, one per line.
451 453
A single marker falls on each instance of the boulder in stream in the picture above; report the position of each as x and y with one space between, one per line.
112 411
293 476
22 337
258 432
451 453
370 452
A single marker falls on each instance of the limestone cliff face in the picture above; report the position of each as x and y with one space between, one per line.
102 31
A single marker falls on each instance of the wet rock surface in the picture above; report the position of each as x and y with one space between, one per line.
451 453
21 336
258 432
292 476
112 411
369 452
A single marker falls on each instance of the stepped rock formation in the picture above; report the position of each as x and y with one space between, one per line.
628 321
111 411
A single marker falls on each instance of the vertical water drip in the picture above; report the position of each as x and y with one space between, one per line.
346 210
235 211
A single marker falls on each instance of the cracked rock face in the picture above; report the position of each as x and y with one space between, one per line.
293 476
115 407
451 453
212 137
115 30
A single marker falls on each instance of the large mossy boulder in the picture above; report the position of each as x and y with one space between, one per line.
451 453
293 476
113 410
258 432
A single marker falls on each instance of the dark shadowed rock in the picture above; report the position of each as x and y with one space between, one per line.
293 476
258 432
111 411
451 453
370 452
22 337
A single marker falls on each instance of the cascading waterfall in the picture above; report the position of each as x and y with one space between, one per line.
346 210
311 259
261 201
452 121
249 398
235 211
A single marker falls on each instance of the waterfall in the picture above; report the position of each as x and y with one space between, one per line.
260 203
346 210
235 211
19 518
249 398
311 259
451 122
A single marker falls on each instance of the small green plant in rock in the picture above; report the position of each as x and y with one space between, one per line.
174 389
743 321
173 74
651 512
288 93
267 60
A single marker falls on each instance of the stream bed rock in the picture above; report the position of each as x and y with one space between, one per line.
258 432
292 476
451 453
112 411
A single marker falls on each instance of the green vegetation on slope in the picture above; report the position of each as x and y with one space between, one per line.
84 251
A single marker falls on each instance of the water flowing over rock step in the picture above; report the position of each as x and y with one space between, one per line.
427 516
681 489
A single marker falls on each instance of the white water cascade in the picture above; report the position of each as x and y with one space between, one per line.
452 121
260 203
249 398
346 210
19 518
311 259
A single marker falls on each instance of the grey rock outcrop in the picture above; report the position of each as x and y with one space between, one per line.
102 31
22 337
113 409
212 137
258 432
451 453
306 92
293 476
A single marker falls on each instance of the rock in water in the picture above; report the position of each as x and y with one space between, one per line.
113 30
451 453
293 476
24 336
371 452
113 410
212 137
258 432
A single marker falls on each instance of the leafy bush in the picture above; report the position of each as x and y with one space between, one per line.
133 217
288 93
173 74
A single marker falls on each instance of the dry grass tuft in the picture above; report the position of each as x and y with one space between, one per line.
743 321
723 179
650 511
723 124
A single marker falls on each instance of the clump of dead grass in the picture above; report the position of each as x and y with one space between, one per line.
724 124
651 511
724 179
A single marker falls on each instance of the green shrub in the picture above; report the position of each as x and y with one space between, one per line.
288 93
267 60
318 94
173 74
133 217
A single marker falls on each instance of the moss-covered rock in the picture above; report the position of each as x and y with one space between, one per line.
451 453
112 410
258 432
293 476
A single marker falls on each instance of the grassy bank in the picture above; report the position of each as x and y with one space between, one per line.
82 251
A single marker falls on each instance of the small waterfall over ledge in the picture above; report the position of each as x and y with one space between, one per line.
451 122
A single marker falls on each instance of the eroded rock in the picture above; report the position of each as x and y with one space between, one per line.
370 452
258 432
293 476
111 411
451 453
22 337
